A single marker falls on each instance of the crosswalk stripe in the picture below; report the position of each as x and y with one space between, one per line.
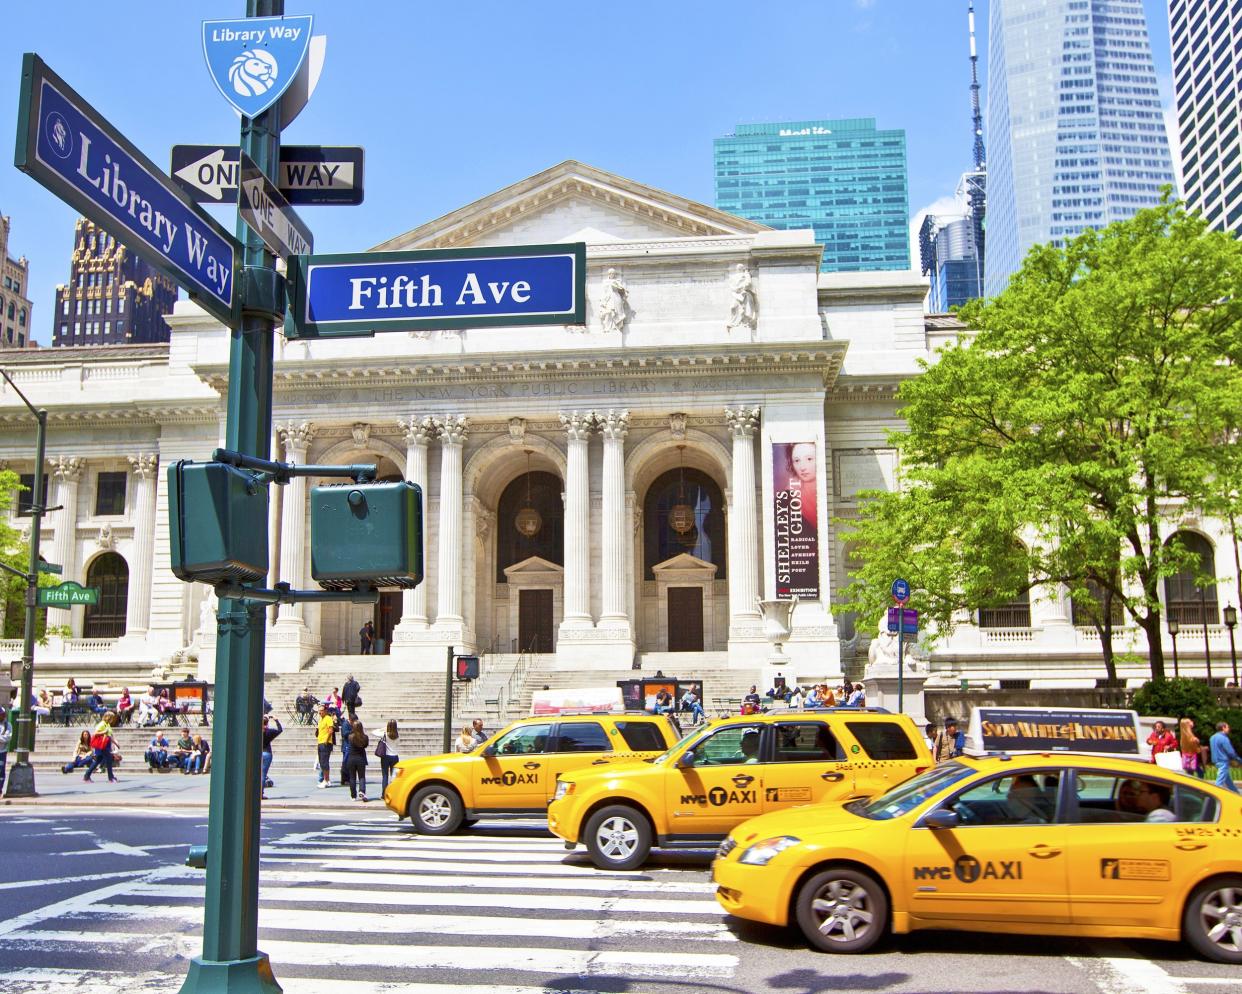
414 864
415 851
615 884
581 962
439 899
36 980
442 922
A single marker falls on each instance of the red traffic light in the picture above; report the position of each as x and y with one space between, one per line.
467 667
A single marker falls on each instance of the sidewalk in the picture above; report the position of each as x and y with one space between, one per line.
136 788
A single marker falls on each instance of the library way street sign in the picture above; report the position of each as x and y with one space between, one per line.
253 61
308 175
501 286
67 594
71 149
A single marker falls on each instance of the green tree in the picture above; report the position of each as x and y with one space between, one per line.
1087 406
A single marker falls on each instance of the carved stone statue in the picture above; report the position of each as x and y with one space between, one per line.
744 310
882 653
613 302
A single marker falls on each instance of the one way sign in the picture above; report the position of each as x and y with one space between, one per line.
309 174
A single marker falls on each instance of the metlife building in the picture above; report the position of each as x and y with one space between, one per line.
845 180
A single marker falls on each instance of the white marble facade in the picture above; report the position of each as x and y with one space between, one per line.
673 374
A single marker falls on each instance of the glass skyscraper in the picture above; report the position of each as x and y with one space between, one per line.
1206 39
1076 135
843 179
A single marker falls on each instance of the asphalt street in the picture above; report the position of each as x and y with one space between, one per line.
351 901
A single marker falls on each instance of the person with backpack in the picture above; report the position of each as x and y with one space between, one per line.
351 694
101 744
271 728
387 751
356 764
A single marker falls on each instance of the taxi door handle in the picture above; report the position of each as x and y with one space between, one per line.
599 762
743 780
1044 852
1190 846
832 777
532 766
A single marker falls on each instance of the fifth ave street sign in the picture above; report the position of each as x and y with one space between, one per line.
66 595
69 147
309 174
269 215
349 296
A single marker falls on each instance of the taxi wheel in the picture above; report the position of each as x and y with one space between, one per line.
436 810
842 911
618 838
1212 921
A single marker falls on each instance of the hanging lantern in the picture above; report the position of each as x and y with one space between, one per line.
681 514
528 521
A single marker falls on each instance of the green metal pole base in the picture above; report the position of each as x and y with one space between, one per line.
20 781
239 976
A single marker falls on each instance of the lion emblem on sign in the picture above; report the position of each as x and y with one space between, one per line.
253 72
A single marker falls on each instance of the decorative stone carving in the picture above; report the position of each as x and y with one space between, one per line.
67 468
613 424
882 654
297 434
417 431
453 430
677 425
614 302
483 521
517 430
106 540
361 432
578 425
144 465
743 421
744 308
422 334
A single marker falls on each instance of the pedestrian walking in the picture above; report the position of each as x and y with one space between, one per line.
1161 740
271 728
101 744
466 742
1223 755
347 726
1190 747
480 736
325 736
351 693
949 743
366 635
5 735
356 764
388 750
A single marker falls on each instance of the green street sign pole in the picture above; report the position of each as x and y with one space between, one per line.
21 779
231 961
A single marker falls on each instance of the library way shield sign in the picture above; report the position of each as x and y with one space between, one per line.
349 296
253 60
69 147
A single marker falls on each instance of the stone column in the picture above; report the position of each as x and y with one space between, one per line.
743 531
67 472
418 433
296 438
452 431
138 610
577 522
613 426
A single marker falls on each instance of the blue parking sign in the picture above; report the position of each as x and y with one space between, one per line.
253 60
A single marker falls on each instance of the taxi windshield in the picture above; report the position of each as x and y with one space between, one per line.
664 756
909 795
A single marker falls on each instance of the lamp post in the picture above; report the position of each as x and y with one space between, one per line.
1207 650
1231 622
1174 628
21 782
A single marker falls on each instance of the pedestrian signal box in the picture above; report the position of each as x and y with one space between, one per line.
467 667
367 535
217 519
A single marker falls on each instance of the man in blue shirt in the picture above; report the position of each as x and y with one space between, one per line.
1223 755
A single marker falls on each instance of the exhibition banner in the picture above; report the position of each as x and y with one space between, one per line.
794 474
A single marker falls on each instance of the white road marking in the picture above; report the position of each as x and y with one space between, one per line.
118 849
48 881
491 854
614 884
1126 974
330 897
78 902
437 923
395 865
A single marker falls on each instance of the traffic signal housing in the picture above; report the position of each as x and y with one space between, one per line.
467 667
367 535
217 519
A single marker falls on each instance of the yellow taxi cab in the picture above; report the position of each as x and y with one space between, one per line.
1051 844
732 770
515 771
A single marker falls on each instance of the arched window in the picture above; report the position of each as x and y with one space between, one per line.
512 546
706 537
106 620
1185 601
1087 610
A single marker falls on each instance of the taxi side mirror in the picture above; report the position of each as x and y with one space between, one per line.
686 759
941 818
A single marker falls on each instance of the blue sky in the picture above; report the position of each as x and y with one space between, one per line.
455 101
